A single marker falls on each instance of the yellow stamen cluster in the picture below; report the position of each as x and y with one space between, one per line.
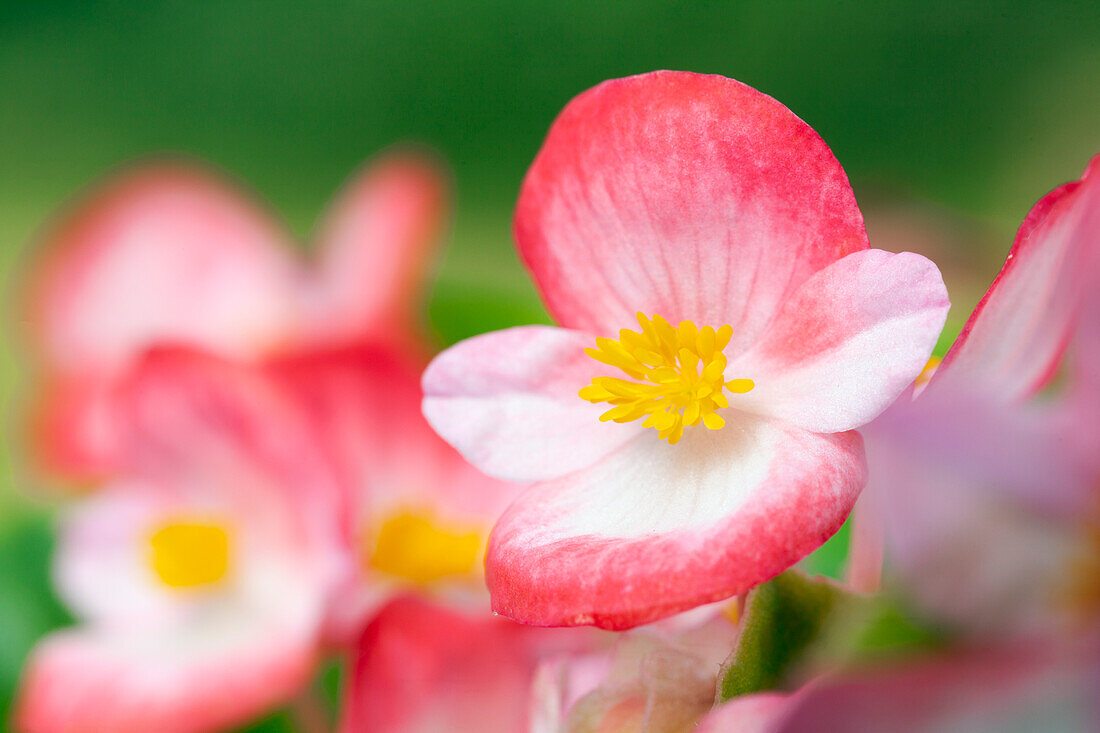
677 372
413 546
187 554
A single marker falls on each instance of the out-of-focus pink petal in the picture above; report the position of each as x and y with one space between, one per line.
983 691
206 426
866 546
422 667
658 678
1016 336
374 246
759 713
964 551
509 402
847 342
654 529
364 402
693 197
163 253
72 429
223 668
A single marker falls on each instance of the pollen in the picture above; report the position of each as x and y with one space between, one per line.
413 546
675 376
190 554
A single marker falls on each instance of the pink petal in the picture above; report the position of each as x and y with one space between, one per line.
953 521
976 691
164 253
422 667
72 428
374 246
847 342
655 529
760 713
508 401
364 402
161 253
691 196
207 677
1016 336
204 430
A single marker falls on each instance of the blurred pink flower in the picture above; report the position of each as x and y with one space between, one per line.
169 260
699 200
201 573
984 485
169 253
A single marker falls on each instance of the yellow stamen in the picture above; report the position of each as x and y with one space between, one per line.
187 554
676 376
411 546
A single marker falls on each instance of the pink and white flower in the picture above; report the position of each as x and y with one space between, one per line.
709 215
984 485
171 254
202 572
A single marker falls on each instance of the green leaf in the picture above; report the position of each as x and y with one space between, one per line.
782 618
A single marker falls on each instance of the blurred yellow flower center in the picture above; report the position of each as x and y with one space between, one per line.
677 376
190 554
411 546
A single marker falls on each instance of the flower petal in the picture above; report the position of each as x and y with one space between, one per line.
847 343
693 197
970 498
374 245
979 691
161 253
219 671
423 667
655 529
365 401
1016 336
208 432
758 713
508 402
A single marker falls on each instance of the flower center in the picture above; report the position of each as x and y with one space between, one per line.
189 554
677 376
411 546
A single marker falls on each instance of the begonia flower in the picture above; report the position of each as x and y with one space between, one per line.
201 574
169 253
983 480
723 330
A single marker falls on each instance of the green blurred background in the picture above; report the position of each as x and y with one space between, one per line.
951 118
